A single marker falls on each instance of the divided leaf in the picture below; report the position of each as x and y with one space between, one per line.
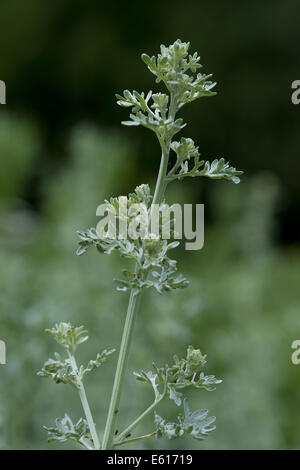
182 374
185 151
63 370
197 424
150 252
59 370
220 169
177 69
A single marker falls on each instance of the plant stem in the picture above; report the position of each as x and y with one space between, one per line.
134 301
162 181
85 404
86 443
139 438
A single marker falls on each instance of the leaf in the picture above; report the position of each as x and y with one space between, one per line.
186 150
196 424
177 68
58 370
182 374
132 281
87 239
94 364
174 395
154 379
130 123
206 382
169 430
160 104
220 169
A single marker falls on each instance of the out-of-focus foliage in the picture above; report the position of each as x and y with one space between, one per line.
241 306
19 149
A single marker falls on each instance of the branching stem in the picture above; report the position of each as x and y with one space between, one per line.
139 419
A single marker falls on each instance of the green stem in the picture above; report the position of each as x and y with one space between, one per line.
138 419
161 179
139 438
86 443
120 371
133 304
85 404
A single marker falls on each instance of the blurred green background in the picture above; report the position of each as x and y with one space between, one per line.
63 151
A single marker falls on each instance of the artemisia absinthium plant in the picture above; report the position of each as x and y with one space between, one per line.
178 70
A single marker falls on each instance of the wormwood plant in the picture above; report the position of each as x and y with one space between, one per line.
153 267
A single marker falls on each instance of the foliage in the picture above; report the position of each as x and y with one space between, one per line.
195 424
153 267
182 374
65 429
68 336
185 151
67 372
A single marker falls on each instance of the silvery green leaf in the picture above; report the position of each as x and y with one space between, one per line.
186 372
167 279
185 149
168 430
197 424
186 368
219 169
155 379
173 245
67 335
177 68
174 394
59 370
150 378
88 238
64 430
132 281
206 382
130 123
94 364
